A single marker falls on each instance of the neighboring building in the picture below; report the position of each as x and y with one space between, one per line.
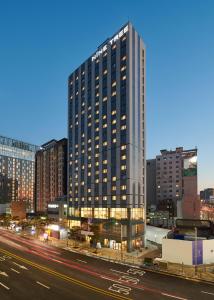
17 169
51 173
106 128
58 209
151 201
206 195
176 183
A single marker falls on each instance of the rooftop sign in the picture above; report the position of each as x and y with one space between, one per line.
110 42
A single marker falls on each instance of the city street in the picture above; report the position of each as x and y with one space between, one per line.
31 269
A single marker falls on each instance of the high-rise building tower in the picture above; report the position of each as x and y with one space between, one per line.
17 172
51 173
106 131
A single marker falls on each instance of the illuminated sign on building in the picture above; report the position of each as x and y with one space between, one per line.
111 41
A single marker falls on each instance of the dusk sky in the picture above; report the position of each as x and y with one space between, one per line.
42 42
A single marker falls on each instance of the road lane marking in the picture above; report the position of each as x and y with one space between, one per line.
204 292
85 262
118 271
64 277
3 274
20 266
6 287
47 287
15 271
168 295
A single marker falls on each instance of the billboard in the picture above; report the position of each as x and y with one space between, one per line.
190 166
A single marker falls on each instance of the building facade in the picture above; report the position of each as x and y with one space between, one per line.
17 172
207 195
176 183
106 131
151 202
51 173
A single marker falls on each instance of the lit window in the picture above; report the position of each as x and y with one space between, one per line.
97 94
114 140
97 172
123 147
105 99
89 190
105 179
105 143
89 165
105 71
124 57
104 117
123 187
114 188
123 167
105 162
89 149
97 76
114 93
97 146
97 180
123 68
104 171
97 163
97 155
113 112
89 124
114 131
82 183
97 129
123 117
105 198
97 138
97 121
114 178
114 121
123 157
97 103
114 46
124 77
89 116
83 167
104 125
89 141
89 173
114 198
97 112
123 197
123 127
113 84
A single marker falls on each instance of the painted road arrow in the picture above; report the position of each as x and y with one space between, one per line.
3 274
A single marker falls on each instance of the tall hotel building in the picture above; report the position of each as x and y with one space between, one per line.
106 131
17 172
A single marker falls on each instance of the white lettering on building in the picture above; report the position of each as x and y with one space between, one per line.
111 41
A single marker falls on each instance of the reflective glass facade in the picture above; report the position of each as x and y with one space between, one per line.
17 167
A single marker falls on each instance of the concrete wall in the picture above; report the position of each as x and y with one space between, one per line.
208 251
155 234
177 251
180 251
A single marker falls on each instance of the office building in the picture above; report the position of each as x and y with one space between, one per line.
17 169
176 183
106 130
151 202
207 195
51 173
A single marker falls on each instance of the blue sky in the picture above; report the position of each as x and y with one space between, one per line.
41 42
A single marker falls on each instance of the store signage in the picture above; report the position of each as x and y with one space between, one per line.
111 41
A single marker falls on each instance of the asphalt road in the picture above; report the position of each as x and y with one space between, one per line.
32 270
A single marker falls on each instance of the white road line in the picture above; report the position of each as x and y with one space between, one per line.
119 272
47 287
20 266
6 287
204 292
85 262
172 296
117 281
15 271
